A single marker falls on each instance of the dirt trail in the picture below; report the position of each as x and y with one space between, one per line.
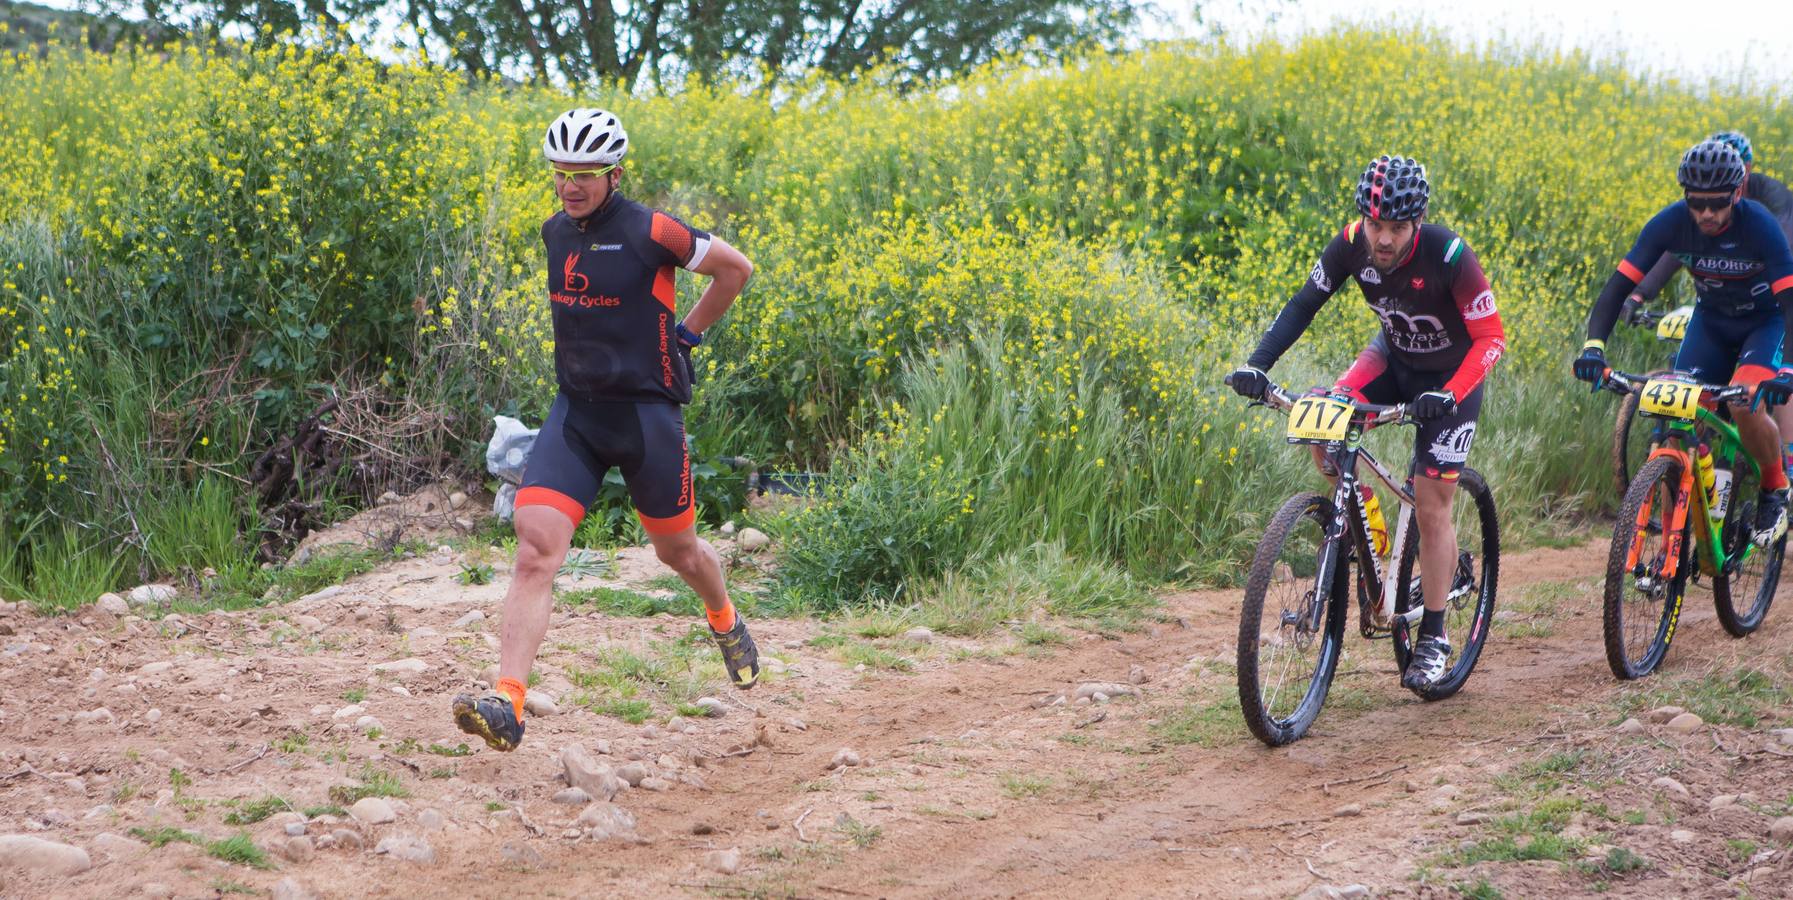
968 787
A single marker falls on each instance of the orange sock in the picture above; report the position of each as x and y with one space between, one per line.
721 621
1773 478
514 689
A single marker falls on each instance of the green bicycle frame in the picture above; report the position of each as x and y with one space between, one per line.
1728 449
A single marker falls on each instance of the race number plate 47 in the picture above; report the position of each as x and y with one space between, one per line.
1670 399
1319 419
1673 326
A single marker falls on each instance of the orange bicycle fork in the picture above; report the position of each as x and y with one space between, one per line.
1676 526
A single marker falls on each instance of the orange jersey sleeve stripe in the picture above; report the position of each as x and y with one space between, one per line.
664 288
1783 284
1630 271
669 234
673 525
541 496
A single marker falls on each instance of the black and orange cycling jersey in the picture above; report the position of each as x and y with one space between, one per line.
610 280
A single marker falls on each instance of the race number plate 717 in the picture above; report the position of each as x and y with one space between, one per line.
1323 419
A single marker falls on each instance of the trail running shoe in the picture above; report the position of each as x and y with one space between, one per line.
1426 666
1771 517
739 653
490 716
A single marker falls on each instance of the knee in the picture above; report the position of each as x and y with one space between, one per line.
681 557
537 554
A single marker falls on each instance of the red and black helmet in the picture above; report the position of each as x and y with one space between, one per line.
1393 189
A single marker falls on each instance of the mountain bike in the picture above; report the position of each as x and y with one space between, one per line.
1292 624
1630 443
1664 523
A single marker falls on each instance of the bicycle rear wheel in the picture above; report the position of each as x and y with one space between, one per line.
1744 587
1291 627
1469 609
1642 604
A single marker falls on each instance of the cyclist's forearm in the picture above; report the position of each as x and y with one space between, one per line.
1296 315
1606 309
1369 366
1487 342
1659 274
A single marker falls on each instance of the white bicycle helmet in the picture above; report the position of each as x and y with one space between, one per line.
586 136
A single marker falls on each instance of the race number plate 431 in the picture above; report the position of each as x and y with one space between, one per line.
1319 419
1670 399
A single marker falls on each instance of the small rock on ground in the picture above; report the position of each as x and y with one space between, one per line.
753 540
407 847
603 821
1662 714
1782 829
1685 723
1681 836
372 811
539 704
725 861
1631 726
844 758
1670 786
289 888
572 797
712 707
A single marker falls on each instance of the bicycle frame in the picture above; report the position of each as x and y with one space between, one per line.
1673 437
1350 520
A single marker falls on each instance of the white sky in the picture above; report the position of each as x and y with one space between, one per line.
1740 42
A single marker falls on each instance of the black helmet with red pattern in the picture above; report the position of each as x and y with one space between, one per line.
1393 189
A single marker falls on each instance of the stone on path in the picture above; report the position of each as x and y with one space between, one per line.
22 851
1662 714
587 774
407 847
1685 723
753 540
289 888
603 821
1782 829
410 666
1632 726
725 861
844 758
372 811
1670 786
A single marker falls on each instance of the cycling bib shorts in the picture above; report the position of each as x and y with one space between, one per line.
583 439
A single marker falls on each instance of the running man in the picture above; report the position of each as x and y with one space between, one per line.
1743 275
623 363
1441 335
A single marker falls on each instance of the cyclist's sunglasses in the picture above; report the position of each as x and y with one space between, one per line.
1709 204
582 177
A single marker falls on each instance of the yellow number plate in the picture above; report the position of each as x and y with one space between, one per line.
1670 399
1319 419
1673 326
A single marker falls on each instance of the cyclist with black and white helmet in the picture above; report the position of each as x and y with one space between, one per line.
1743 275
622 358
1440 336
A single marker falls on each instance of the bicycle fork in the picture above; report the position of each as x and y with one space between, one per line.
1675 526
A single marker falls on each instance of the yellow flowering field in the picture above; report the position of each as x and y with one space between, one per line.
1005 302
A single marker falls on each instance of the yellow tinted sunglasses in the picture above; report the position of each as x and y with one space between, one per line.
583 177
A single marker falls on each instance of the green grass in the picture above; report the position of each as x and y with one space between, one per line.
1536 608
861 834
165 835
874 657
312 812
1738 697
1533 833
1022 787
355 695
1481 890
239 849
374 783
1211 718
630 683
632 604
252 811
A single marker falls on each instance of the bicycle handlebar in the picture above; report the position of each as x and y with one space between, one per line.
1626 383
1370 414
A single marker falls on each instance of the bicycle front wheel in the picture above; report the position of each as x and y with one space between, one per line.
1292 626
1630 442
1745 585
1643 598
1469 607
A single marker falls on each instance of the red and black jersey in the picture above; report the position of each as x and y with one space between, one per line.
1437 311
610 283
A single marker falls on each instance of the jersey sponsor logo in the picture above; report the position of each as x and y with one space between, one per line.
665 354
1369 275
1318 277
576 284
605 247
1419 284
1411 333
1452 447
1724 265
1730 246
1481 307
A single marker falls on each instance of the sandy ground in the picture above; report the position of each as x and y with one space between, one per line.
969 782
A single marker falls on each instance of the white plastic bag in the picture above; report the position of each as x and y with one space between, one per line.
509 449
506 455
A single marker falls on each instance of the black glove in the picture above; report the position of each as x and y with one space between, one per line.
1432 405
1628 311
1249 382
686 336
1590 366
1775 391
